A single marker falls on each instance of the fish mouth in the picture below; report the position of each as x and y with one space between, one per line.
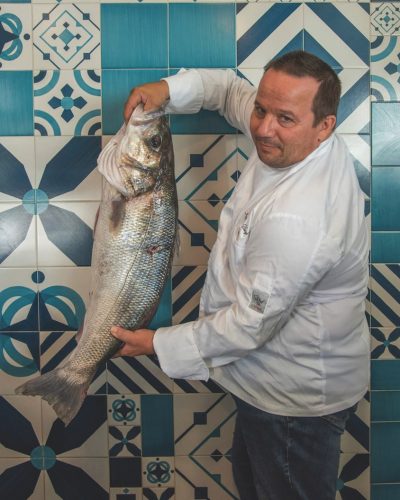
141 117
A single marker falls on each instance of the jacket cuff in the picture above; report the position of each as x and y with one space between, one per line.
186 92
178 354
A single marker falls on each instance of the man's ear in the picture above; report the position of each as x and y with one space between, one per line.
326 127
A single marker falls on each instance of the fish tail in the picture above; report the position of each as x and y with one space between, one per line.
63 394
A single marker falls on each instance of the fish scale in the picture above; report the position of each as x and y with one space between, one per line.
133 248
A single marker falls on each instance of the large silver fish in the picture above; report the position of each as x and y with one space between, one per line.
133 248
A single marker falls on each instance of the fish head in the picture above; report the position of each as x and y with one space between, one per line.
147 140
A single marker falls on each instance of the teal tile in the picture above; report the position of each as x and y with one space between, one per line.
163 315
204 122
134 36
385 247
385 446
16 97
385 375
385 133
385 406
157 425
116 86
385 200
385 491
202 35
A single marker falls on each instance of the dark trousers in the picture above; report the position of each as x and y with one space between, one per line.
286 458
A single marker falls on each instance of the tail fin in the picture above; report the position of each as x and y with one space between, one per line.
62 394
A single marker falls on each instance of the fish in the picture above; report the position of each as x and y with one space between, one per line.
135 238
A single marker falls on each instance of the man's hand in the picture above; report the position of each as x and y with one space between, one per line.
136 343
153 95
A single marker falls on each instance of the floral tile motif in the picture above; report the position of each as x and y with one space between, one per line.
11 485
67 102
66 36
125 441
385 343
158 471
266 30
385 295
15 37
158 494
354 477
124 410
385 64
385 18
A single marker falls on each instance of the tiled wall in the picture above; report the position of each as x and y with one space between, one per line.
65 72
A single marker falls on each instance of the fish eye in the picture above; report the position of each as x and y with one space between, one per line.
155 141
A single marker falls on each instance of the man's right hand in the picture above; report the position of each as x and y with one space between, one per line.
152 95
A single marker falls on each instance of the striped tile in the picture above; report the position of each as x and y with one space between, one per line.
385 295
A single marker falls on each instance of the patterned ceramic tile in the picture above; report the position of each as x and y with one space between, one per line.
19 360
158 494
385 18
16 101
126 473
354 108
187 283
262 32
385 59
125 441
15 37
385 343
18 300
385 133
158 471
203 122
385 247
354 477
157 425
202 35
356 436
385 440
67 102
142 27
204 478
198 224
338 33
206 166
385 295
56 346
11 485
203 424
124 410
385 199
66 36
120 493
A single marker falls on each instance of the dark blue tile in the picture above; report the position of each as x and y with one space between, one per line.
134 36
385 133
385 445
125 472
202 35
385 247
116 86
385 375
385 406
385 201
157 425
385 491
16 97
163 315
14 224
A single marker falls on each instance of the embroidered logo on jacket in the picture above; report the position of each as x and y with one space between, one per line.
258 301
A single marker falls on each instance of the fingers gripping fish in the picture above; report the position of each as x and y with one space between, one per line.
134 243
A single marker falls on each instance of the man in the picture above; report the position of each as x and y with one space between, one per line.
282 323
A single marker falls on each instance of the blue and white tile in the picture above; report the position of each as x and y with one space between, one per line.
198 224
66 169
11 486
125 441
19 359
78 478
385 18
338 33
15 37
158 494
141 375
355 438
16 98
354 477
67 102
187 283
385 343
66 36
54 349
63 294
18 300
252 75
204 477
385 295
203 423
266 30
65 233
124 410
385 64
129 493
354 108
158 472
17 168
385 133
205 166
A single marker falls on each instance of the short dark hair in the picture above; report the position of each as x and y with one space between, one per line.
300 63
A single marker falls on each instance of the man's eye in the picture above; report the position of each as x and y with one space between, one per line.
155 141
259 111
286 120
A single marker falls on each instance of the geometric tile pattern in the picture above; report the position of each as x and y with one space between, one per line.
385 295
15 38
385 73
385 18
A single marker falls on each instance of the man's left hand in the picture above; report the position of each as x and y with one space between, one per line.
136 343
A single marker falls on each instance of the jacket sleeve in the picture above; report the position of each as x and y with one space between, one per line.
214 90
280 269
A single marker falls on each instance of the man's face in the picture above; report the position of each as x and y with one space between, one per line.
282 120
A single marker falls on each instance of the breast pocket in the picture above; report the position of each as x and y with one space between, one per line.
240 238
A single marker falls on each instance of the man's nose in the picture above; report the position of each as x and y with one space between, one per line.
266 126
